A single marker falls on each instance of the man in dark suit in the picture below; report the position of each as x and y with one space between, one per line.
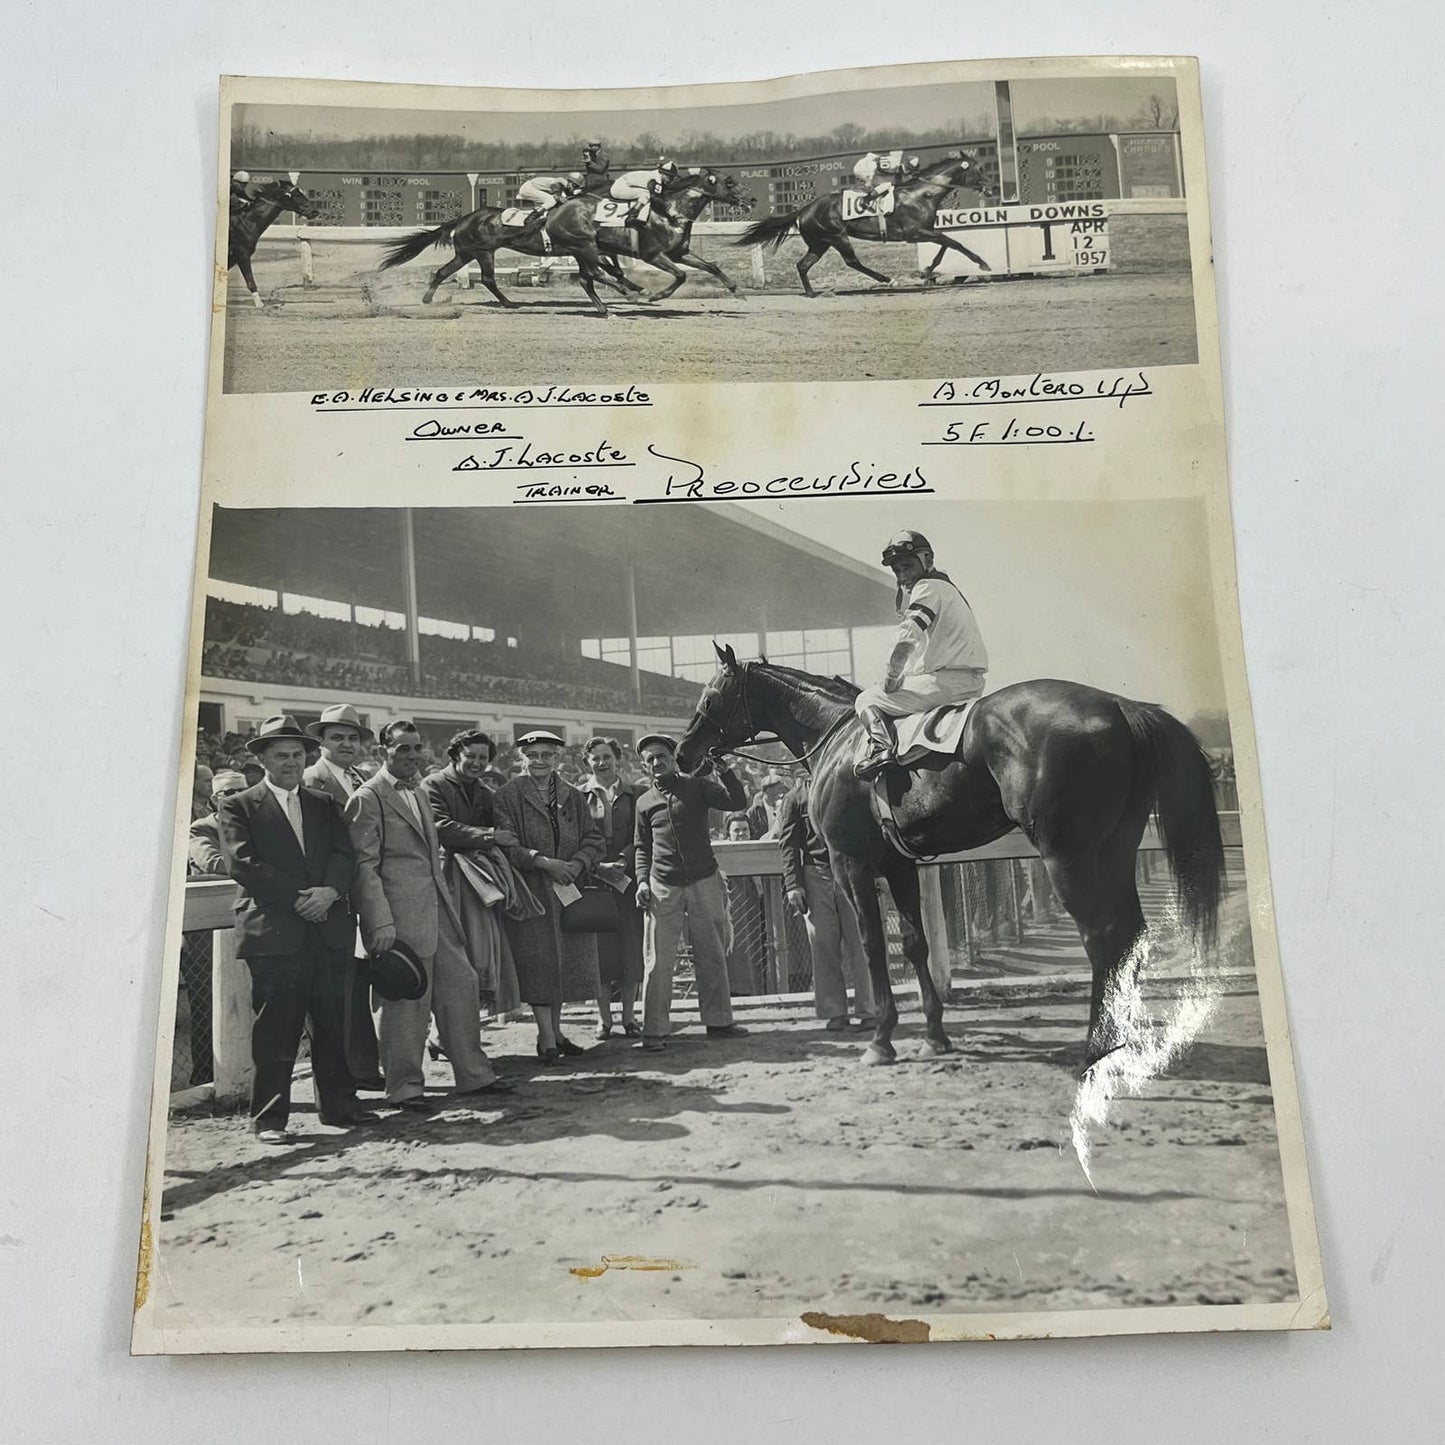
289 850
343 738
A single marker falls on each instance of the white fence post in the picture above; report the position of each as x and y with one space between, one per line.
308 276
230 1018
760 274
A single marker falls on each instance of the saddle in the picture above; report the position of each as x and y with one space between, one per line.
612 213
857 207
517 215
940 731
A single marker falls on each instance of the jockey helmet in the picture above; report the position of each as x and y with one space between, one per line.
913 161
594 145
575 177
243 176
905 544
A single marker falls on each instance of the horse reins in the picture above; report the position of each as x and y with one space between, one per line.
800 760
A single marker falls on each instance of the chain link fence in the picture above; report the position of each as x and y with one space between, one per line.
191 1060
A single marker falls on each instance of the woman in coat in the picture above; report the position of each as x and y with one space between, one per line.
461 806
559 843
612 801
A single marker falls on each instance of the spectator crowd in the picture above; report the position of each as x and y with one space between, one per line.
264 644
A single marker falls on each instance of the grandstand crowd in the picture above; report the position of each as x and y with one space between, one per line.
251 643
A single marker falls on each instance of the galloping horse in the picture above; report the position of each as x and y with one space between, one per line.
821 225
247 226
664 239
1077 770
479 234
571 229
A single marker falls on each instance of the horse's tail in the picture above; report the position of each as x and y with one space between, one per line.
771 230
1177 773
411 246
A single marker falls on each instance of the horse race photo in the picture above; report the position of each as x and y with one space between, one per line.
973 1030
900 231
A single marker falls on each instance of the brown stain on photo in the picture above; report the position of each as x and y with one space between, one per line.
875 1328
146 1258
643 1262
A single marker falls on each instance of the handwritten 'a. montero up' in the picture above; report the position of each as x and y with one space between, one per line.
470 398
1041 387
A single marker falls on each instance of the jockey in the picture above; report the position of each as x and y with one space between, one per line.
242 192
641 188
595 165
545 192
867 171
938 654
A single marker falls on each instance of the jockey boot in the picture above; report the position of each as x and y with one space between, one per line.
882 743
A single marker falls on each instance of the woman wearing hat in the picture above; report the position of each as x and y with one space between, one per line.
559 841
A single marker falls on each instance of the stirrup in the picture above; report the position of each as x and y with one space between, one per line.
876 761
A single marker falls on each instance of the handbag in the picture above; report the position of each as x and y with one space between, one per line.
594 912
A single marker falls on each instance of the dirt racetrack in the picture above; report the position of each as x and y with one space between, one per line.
357 324
771 1175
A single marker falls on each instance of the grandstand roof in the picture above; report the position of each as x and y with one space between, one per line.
558 572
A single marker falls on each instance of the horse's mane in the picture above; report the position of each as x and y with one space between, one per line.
835 689
938 169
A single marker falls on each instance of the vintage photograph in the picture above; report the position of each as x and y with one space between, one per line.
883 231
665 919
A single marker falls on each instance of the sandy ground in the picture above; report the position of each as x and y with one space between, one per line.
358 324
775 1174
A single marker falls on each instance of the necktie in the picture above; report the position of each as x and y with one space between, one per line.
293 816
355 777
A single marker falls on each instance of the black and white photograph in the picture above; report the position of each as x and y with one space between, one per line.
732 915
886 230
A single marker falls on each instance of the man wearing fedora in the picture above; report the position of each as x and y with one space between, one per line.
343 737
288 848
402 895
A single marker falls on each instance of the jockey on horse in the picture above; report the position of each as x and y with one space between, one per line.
891 165
938 655
644 190
543 193
243 193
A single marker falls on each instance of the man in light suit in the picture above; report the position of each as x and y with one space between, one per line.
401 894
342 738
289 850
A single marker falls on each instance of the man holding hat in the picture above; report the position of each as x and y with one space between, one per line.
342 736
677 884
287 847
938 654
402 895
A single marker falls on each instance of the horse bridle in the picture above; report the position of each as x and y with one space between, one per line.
800 760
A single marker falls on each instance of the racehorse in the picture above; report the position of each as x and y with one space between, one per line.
664 239
479 234
248 226
915 209
1077 770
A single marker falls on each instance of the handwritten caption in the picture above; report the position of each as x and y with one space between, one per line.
1015 429
620 472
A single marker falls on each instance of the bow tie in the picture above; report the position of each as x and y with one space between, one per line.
405 787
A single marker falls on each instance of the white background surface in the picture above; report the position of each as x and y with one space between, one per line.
1329 239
